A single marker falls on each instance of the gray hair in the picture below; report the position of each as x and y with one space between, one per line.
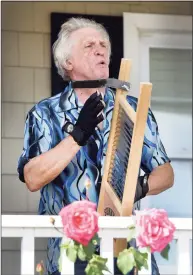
62 46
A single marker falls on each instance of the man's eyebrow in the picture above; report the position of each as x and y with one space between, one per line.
88 41
104 41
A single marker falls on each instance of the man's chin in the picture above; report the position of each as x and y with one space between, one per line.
102 75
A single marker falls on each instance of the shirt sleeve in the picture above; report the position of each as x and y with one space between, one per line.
37 138
153 152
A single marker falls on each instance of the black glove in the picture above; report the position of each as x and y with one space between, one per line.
142 187
88 119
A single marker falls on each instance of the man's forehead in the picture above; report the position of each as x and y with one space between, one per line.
89 34
92 38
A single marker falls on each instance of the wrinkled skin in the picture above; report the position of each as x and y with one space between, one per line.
89 57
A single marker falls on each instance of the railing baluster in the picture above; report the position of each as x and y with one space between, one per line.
106 248
67 265
183 262
27 252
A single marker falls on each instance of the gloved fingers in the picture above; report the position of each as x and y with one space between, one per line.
99 119
98 109
94 103
93 100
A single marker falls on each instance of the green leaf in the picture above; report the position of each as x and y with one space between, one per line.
126 261
71 253
81 253
101 262
93 269
65 245
131 234
145 265
165 251
140 259
96 265
89 250
145 255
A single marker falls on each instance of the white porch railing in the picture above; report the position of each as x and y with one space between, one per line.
29 227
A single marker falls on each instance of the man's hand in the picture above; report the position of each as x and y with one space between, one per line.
88 119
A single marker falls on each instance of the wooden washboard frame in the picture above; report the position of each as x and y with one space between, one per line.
108 199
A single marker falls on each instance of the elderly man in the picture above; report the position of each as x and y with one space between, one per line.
66 135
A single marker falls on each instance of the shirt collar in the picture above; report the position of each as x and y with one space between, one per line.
69 99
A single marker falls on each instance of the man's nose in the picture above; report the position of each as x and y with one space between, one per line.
99 51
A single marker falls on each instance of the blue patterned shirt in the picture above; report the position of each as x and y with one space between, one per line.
44 130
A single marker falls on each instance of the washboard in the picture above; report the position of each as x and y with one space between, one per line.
123 158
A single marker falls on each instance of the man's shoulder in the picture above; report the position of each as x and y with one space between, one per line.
46 105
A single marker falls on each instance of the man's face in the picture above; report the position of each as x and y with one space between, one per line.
89 55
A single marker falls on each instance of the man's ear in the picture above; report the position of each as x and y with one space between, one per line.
68 65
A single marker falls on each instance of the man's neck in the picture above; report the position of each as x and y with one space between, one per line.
84 94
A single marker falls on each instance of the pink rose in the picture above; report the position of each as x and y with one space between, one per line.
80 221
154 229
